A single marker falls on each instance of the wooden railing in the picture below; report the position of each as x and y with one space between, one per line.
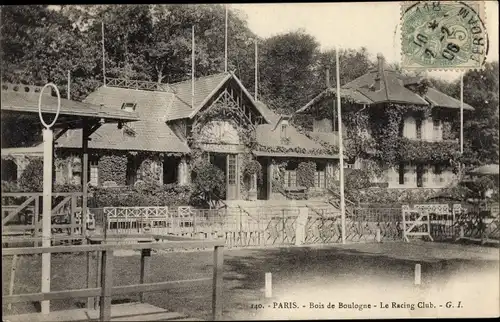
23 216
106 290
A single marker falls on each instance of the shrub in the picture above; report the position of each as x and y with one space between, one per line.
480 185
355 181
209 183
252 167
31 179
171 195
306 174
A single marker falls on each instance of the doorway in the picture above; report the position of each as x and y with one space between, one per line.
228 163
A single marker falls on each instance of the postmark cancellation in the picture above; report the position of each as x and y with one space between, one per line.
443 35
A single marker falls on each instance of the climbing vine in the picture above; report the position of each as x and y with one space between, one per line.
306 174
113 167
151 168
428 152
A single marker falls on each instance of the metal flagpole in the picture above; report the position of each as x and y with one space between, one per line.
461 113
103 54
256 70
48 138
69 85
225 43
341 147
192 67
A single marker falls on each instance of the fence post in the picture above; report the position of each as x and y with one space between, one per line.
98 276
145 263
72 215
283 231
106 285
217 283
35 218
194 223
403 212
12 277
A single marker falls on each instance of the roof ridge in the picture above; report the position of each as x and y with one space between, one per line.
141 90
197 78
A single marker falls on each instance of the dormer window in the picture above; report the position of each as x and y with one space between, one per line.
129 107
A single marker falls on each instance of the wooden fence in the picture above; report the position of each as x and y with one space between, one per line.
105 289
266 226
22 215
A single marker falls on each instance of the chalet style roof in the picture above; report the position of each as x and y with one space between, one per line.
142 135
438 99
383 85
205 88
155 105
150 133
269 135
24 99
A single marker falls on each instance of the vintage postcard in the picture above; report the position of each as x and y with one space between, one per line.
209 162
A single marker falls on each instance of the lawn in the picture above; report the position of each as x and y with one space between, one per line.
361 273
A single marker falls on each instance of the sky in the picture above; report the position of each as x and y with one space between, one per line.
350 25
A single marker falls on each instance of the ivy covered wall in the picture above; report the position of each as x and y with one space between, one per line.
113 167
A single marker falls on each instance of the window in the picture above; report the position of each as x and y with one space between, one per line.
133 172
231 169
421 179
438 171
401 173
438 134
320 176
94 173
319 182
129 106
419 129
290 178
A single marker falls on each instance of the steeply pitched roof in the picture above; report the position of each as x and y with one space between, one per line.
382 85
151 105
389 88
204 86
151 133
269 135
436 98
331 138
354 95
149 136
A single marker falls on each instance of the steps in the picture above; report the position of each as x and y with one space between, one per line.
318 207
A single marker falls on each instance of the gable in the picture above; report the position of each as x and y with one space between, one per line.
207 90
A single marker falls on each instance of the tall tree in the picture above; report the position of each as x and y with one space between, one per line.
287 69
481 129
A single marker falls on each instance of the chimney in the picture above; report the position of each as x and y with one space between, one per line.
328 85
381 61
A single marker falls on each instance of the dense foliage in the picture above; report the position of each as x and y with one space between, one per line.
113 167
32 177
306 174
171 195
209 183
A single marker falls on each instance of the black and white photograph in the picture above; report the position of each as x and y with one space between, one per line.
250 161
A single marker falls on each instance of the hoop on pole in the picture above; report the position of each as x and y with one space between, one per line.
48 126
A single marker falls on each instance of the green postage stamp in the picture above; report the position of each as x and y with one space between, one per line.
443 35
